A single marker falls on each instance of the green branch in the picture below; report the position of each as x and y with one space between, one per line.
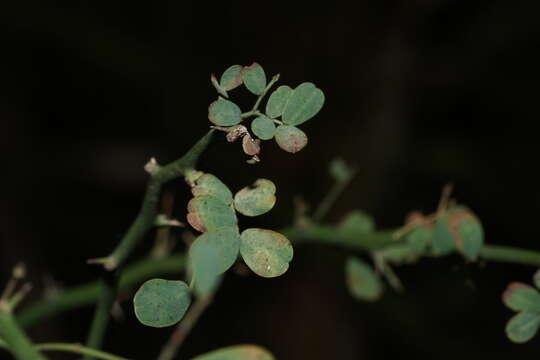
87 294
144 221
159 175
16 340
77 349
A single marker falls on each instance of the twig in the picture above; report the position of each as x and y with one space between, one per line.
182 330
16 339
77 349
331 198
144 221
87 294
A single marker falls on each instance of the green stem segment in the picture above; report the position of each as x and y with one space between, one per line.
331 198
77 349
170 349
144 221
101 316
507 254
16 340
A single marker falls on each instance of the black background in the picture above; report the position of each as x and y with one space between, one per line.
419 93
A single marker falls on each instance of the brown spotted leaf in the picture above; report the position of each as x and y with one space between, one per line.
290 138
267 253
208 213
257 199
209 184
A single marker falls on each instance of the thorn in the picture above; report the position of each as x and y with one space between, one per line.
108 263
152 166
164 220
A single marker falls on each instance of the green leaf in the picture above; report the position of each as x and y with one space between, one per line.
161 303
209 184
471 236
208 213
231 78
536 279
213 253
277 101
254 78
267 253
357 222
443 243
339 170
237 352
263 127
304 103
523 326
419 239
399 254
290 138
257 199
362 281
224 112
519 296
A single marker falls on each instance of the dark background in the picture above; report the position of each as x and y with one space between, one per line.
419 93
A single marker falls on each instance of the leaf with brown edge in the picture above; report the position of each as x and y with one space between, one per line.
254 78
208 213
519 296
257 199
467 232
267 253
223 112
231 78
237 352
290 138
209 184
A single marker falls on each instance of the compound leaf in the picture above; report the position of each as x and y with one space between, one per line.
161 303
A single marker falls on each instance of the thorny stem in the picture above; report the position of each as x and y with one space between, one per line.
144 221
77 349
182 330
